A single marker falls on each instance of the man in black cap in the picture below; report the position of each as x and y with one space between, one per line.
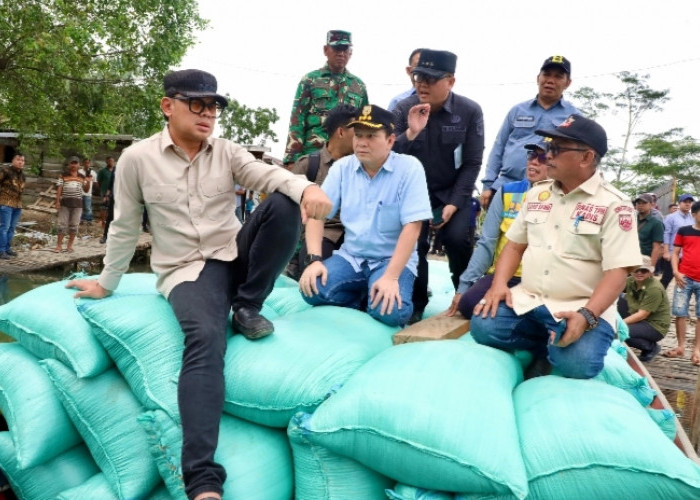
445 131
506 162
204 259
576 238
320 91
384 200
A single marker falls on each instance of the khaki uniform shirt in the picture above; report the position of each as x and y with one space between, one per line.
571 240
191 205
332 228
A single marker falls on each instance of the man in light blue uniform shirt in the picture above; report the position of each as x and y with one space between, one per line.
383 201
412 63
547 110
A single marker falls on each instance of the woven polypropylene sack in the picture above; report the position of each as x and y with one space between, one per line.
105 412
406 492
39 426
320 474
138 328
98 488
46 481
441 288
617 372
430 414
46 322
269 380
257 459
588 439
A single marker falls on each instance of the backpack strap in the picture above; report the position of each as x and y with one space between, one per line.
314 165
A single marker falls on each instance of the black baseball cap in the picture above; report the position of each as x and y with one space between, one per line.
557 62
375 117
580 129
436 63
192 83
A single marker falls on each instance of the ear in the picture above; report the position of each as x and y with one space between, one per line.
568 82
166 106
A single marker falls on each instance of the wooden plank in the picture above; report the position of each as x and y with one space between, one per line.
438 327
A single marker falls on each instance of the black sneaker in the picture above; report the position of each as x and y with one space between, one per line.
647 356
4 256
103 240
251 323
415 317
11 253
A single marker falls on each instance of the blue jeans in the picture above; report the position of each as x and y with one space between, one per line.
9 217
508 331
87 208
681 298
347 288
265 245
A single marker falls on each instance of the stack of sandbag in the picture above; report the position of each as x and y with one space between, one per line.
108 371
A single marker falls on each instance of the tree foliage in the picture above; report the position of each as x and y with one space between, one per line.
634 101
76 67
247 126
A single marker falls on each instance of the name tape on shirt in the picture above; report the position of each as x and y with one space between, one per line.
589 213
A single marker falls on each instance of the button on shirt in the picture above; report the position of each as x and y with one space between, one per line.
191 205
507 161
571 240
375 209
450 147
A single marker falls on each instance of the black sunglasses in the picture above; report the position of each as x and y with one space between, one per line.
536 154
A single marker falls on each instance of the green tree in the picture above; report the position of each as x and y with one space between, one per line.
76 67
246 125
667 155
635 100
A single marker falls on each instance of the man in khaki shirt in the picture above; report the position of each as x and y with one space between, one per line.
577 240
207 264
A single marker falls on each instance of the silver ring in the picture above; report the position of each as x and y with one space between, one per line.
482 302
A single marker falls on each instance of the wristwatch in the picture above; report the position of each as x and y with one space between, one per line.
312 258
589 316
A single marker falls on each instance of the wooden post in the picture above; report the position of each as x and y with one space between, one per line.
695 416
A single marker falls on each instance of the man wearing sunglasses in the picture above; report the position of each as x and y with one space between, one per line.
206 262
445 131
320 91
478 276
547 109
577 241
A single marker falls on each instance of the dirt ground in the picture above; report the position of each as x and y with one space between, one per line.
37 229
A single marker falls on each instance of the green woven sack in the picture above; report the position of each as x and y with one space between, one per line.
46 322
105 413
429 414
46 481
269 380
588 439
257 459
320 474
39 426
98 488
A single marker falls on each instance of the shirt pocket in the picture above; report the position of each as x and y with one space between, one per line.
161 201
538 231
321 97
581 242
453 135
388 220
216 186
523 126
219 197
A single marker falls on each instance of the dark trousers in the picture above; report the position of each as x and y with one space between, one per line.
265 244
458 241
643 336
109 218
476 292
664 267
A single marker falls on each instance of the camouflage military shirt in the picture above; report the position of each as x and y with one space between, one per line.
318 93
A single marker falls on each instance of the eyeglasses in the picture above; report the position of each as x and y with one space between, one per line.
430 80
198 105
555 149
536 154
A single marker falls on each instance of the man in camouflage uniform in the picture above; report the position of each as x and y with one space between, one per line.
318 93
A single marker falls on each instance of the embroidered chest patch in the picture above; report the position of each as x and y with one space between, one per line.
589 213
535 206
625 221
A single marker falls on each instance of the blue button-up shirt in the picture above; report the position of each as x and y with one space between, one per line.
672 223
374 210
403 95
507 161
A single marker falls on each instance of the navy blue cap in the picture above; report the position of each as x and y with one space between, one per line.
436 63
192 83
580 129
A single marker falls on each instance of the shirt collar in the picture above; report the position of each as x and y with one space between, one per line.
326 70
589 186
536 103
388 164
166 141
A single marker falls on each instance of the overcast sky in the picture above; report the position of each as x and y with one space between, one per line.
259 50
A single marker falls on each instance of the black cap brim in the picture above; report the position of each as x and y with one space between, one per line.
555 65
429 72
556 135
218 98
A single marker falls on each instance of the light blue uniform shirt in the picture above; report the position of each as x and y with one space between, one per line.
507 161
400 97
374 210
672 223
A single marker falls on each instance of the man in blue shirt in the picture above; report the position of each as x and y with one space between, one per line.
548 109
383 201
672 223
412 63
445 131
